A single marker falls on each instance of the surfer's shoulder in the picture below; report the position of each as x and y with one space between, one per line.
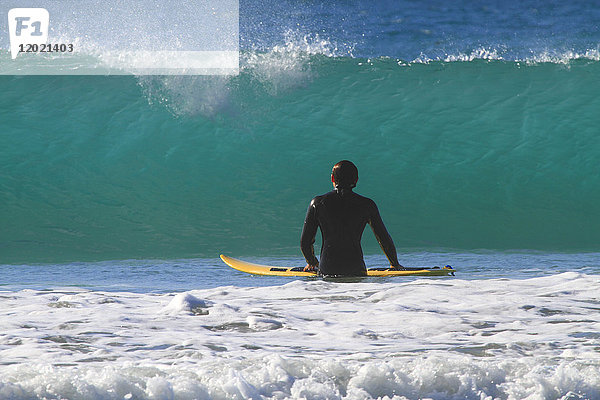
317 200
365 200
321 199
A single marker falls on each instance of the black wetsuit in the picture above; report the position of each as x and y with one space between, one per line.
342 216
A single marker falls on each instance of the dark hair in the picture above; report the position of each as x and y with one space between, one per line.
345 174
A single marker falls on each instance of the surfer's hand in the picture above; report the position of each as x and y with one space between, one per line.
311 268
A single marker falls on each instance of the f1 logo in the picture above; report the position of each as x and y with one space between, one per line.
28 26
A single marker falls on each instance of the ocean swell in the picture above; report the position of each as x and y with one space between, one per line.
464 154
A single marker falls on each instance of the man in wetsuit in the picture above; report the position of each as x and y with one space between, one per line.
342 216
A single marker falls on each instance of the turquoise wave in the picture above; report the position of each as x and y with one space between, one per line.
467 155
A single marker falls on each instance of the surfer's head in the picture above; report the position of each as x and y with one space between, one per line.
344 175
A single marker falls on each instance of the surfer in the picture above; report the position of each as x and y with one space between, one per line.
342 216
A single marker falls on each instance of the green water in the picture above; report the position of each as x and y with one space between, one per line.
467 155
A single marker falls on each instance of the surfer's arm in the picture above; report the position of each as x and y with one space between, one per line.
309 232
383 237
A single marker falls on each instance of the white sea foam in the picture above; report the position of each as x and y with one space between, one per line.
185 302
481 53
289 63
564 57
439 338
500 54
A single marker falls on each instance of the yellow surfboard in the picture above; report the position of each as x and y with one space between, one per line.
258 269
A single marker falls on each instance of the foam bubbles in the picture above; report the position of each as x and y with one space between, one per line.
500 53
481 53
564 57
437 338
185 302
258 323
288 65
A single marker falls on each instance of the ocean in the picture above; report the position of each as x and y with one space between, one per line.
474 126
